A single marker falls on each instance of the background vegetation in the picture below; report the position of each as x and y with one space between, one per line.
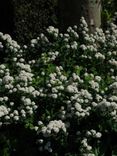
26 19
29 19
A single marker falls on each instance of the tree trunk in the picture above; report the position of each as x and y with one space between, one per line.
92 13
71 11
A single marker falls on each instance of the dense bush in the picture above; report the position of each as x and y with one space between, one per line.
58 95
108 11
32 17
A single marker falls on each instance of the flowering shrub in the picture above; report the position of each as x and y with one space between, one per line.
63 87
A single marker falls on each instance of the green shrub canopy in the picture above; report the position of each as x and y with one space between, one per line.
63 88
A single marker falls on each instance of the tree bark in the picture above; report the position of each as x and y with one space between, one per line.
92 13
70 12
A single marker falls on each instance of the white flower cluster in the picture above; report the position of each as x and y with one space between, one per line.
85 147
49 57
16 90
53 31
63 81
54 126
3 111
56 82
93 133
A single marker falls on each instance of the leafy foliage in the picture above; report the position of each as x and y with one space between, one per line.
32 17
58 94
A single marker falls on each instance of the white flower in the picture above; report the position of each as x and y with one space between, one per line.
34 41
53 126
27 101
83 47
78 107
3 110
11 103
54 90
40 141
63 78
113 85
5 98
7 79
98 78
89 148
2 66
99 56
52 30
113 98
7 117
54 96
36 128
74 45
40 123
15 112
98 135
23 111
16 118
71 89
